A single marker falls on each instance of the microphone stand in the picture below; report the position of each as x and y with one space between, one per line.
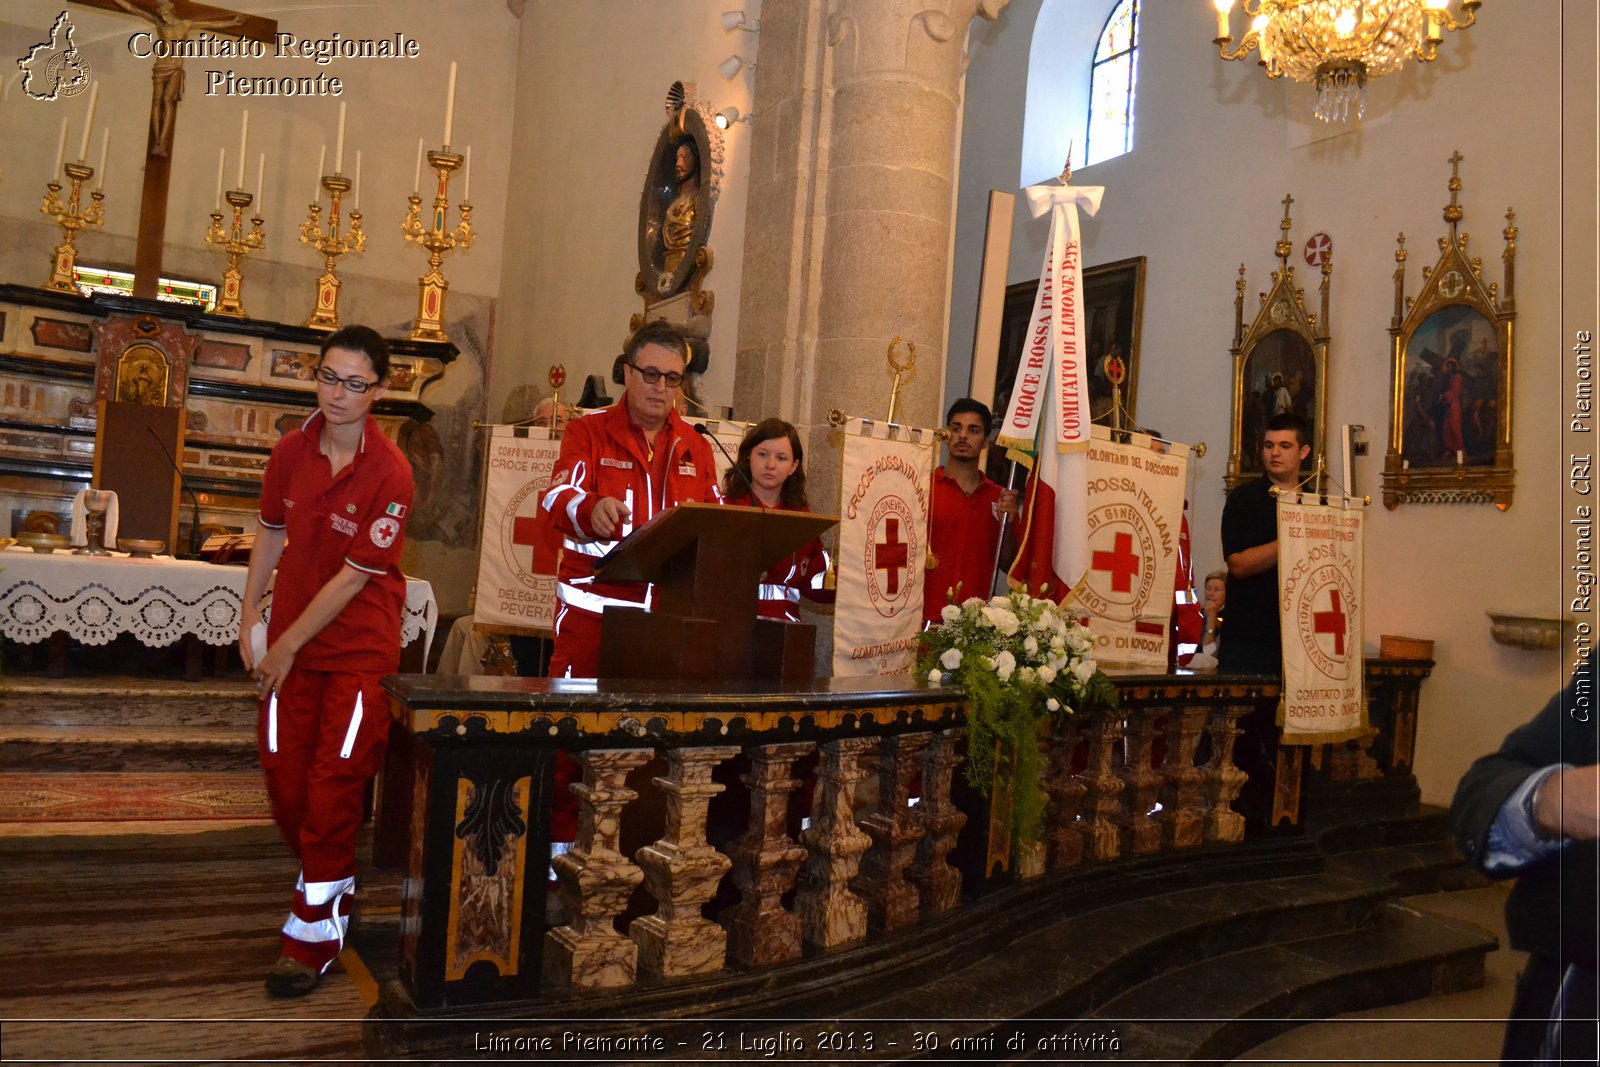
704 431
194 525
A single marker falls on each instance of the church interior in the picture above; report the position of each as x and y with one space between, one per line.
859 145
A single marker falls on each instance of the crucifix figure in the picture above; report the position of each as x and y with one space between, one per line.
174 21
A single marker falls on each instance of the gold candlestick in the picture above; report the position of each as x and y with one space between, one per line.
236 242
437 240
71 218
332 246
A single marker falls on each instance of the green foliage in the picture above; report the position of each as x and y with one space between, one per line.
1021 661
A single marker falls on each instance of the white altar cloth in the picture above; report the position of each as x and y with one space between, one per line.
96 598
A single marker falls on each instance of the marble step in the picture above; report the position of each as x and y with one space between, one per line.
127 748
1237 1001
222 703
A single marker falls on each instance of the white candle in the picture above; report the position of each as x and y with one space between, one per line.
450 107
61 149
416 182
322 159
356 187
100 172
466 185
244 137
1461 457
88 123
338 152
261 187
220 153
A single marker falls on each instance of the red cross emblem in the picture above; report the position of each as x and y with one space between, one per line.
1331 622
890 556
525 531
1122 563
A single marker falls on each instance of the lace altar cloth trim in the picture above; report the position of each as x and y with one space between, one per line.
95 598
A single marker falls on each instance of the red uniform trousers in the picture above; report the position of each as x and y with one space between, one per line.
321 740
577 646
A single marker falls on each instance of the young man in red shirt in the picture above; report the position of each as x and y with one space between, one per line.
618 469
333 508
964 514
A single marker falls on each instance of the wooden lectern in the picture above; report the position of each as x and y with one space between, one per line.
706 561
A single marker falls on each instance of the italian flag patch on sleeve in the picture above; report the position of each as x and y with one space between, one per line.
397 510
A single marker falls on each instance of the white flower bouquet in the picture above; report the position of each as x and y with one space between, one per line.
1020 660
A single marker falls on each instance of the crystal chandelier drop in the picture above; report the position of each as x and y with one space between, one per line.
1339 44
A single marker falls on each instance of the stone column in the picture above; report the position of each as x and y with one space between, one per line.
1062 834
681 870
938 883
1141 832
766 859
1103 797
595 880
830 914
1183 808
847 240
1223 778
892 901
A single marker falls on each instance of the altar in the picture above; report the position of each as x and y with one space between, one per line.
159 601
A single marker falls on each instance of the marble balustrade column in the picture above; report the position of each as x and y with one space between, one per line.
1140 832
595 880
766 860
1063 834
681 870
1103 800
1183 807
892 901
1223 778
938 884
830 913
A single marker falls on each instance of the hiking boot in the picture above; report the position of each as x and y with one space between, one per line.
291 978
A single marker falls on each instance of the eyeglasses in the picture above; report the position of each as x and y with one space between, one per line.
354 385
651 376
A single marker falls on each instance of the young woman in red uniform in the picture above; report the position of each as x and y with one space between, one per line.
333 509
773 464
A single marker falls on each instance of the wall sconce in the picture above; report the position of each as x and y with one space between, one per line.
730 67
736 20
728 116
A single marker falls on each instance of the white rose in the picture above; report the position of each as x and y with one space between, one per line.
949 613
1080 640
972 602
1084 669
1026 675
1047 674
998 601
1058 643
1004 664
935 676
1053 704
1030 646
951 659
1001 620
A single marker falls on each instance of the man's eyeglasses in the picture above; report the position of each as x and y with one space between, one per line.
354 385
651 376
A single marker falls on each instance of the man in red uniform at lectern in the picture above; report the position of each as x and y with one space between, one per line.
333 508
618 469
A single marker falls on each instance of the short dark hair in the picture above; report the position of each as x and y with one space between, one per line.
363 339
968 406
1288 420
661 332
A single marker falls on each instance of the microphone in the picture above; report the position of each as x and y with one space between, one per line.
701 429
194 526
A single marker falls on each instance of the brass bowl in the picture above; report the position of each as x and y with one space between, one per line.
43 542
140 549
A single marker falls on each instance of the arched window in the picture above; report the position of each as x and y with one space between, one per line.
1112 79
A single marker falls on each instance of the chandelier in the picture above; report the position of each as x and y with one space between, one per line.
1339 44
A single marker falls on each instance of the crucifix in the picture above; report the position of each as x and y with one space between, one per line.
173 21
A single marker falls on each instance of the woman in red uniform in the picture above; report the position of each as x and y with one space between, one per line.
772 463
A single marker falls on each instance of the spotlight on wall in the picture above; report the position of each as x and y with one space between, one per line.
728 116
730 67
736 20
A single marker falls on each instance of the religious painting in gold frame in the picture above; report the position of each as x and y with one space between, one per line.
1450 395
1280 364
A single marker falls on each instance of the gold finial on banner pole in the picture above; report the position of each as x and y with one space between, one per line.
1116 372
557 378
899 369
1066 171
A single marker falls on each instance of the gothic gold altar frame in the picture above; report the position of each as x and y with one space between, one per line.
1280 363
1450 396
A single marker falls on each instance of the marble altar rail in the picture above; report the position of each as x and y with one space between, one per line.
671 876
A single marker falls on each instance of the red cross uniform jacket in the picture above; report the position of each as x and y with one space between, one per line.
604 455
797 575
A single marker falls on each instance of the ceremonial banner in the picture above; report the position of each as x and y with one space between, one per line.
1135 521
883 548
1048 413
517 559
1320 553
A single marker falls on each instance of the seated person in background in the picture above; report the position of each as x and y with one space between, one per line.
618 469
1204 657
772 462
965 514
1532 810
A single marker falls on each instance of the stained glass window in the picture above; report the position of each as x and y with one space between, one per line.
1112 79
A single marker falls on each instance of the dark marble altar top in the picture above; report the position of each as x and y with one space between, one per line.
499 693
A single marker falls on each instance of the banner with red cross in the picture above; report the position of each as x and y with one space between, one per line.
1320 553
883 547
1136 485
517 559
